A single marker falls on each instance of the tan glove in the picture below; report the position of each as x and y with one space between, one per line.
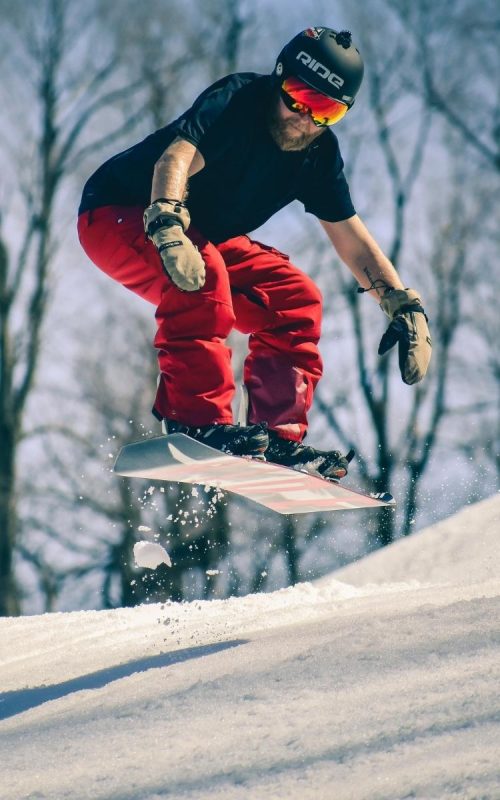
165 222
409 329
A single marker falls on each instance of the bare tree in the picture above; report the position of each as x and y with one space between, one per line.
404 425
114 397
79 112
60 104
403 166
457 55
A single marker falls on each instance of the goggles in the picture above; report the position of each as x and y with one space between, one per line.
299 97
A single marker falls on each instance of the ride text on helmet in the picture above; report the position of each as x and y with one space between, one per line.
322 71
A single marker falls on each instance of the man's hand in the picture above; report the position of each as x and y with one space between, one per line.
409 328
165 222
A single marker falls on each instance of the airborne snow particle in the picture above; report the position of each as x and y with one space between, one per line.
150 555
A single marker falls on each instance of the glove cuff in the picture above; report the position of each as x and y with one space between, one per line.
400 301
164 213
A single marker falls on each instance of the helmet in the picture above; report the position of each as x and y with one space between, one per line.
324 59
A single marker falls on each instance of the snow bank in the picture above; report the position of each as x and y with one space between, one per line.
464 548
379 682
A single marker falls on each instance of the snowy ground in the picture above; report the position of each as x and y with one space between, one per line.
379 682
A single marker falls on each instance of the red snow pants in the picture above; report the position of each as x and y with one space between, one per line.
249 286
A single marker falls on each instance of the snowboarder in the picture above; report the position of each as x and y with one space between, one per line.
169 218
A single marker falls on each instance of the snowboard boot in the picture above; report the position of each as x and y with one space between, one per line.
328 464
238 440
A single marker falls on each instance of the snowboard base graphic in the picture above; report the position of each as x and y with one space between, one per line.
178 458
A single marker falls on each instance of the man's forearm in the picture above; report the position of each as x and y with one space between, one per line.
180 160
361 253
167 219
373 270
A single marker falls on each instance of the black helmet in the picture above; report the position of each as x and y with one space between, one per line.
324 59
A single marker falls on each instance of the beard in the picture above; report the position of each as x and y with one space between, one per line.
287 132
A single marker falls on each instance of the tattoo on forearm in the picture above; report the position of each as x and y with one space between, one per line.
378 285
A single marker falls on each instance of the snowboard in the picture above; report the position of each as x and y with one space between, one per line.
178 458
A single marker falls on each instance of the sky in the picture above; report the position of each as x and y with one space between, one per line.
377 682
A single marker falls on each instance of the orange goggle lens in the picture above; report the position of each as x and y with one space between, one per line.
299 97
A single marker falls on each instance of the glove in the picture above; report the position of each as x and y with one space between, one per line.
409 329
165 222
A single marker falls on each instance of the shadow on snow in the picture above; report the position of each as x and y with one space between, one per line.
12 703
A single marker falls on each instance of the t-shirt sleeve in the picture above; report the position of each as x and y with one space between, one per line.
324 189
200 125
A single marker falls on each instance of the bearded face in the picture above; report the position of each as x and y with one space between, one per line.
290 131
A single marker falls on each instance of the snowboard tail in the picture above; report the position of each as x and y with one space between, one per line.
179 458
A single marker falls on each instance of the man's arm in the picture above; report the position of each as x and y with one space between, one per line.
167 219
375 273
360 252
179 161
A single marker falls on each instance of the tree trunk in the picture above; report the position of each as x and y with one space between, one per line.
291 550
9 591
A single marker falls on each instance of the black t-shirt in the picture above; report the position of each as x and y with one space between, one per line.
246 177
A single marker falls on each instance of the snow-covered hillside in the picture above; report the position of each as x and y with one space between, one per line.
380 682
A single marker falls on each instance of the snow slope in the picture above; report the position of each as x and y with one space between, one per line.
381 682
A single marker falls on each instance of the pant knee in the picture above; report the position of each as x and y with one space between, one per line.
220 318
304 313
193 317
